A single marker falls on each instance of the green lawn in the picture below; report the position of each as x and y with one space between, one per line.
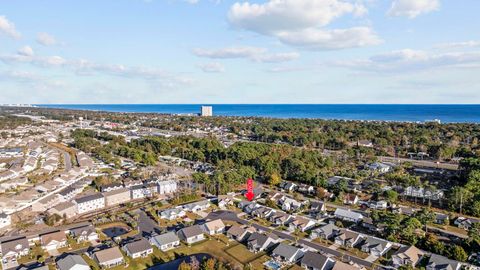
242 254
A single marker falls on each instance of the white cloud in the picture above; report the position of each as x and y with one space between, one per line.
301 22
459 45
408 60
212 67
26 51
317 39
230 52
252 53
8 28
85 67
46 39
413 8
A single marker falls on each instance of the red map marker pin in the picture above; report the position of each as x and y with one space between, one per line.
249 195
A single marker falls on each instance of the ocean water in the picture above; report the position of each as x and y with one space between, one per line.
410 113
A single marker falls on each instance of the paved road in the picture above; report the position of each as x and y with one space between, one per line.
228 215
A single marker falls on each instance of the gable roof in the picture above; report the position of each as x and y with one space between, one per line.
314 260
138 246
108 254
53 236
343 266
285 251
214 225
191 231
11 244
88 198
347 213
440 262
236 230
411 253
166 238
69 261
373 242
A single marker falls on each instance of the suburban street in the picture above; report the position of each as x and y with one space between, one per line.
232 216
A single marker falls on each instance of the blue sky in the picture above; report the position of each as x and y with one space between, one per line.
219 51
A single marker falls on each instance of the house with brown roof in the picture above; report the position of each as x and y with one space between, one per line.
408 255
347 238
117 196
191 234
53 240
109 257
66 209
350 199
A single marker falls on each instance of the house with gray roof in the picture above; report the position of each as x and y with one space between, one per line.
172 213
257 242
138 249
348 215
14 247
90 203
109 257
197 206
375 246
72 262
408 255
327 231
84 234
348 238
165 241
437 262
287 253
191 234
315 261
239 233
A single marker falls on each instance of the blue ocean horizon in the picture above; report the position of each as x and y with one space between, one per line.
446 113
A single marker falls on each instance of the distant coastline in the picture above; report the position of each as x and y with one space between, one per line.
367 112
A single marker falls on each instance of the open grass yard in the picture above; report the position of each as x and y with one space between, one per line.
242 254
354 252
258 263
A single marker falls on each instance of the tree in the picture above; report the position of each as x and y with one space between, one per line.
274 179
458 253
425 216
184 266
209 264
391 196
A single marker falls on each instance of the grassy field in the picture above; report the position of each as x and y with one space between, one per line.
242 254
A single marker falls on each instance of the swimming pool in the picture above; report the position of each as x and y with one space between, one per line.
271 264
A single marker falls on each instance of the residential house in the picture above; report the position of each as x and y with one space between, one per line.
280 218
262 212
378 167
347 238
165 241
441 219
67 194
138 249
53 240
301 223
437 262
84 234
191 234
138 192
167 187
111 187
317 207
5 220
332 181
247 206
66 209
288 186
289 204
287 253
343 266
239 233
257 242
350 199
348 215
368 224
72 262
407 255
197 206
327 231
465 223
306 189
315 261
172 213
375 246
90 203
117 196
378 205
214 227
109 257
13 248
404 210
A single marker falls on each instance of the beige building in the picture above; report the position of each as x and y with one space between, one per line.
67 209
117 196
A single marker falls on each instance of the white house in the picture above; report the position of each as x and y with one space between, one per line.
167 187
90 203
191 234
5 220
287 253
214 227
72 262
138 249
165 241
172 213
348 215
